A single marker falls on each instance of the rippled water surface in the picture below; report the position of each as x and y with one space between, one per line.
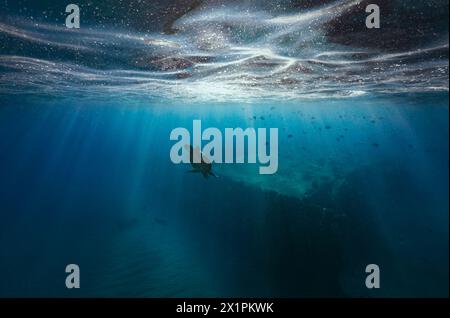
222 50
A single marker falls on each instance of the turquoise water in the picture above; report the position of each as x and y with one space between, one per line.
90 182
86 177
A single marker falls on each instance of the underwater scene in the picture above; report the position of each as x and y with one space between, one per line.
360 156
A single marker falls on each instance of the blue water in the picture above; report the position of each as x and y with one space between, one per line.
86 177
92 184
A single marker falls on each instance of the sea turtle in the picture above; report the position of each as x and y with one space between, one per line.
200 163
